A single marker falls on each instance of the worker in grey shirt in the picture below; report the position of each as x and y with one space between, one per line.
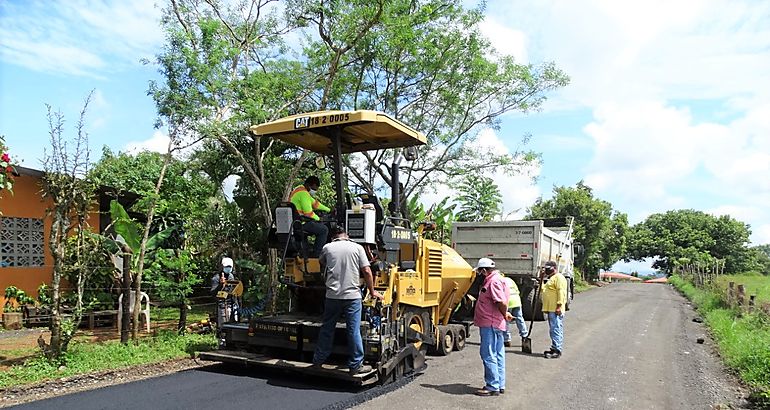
344 261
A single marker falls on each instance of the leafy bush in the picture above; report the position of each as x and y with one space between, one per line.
15 298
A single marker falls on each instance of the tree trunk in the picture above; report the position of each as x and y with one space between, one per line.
143 247
57 251
182 326
125 303
181 276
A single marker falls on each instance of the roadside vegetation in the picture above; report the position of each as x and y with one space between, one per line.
86 357
742 338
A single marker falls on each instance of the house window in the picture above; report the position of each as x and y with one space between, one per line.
21 242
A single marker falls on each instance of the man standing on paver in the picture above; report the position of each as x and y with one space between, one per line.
490 316
554 299
344 261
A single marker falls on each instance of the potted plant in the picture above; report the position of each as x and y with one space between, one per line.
15 299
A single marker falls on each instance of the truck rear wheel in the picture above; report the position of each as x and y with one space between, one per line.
526 305
446 341
460 336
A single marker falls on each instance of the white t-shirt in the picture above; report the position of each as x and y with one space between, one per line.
344 260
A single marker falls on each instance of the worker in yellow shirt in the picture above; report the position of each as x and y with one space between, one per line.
554 299
514 307
303 199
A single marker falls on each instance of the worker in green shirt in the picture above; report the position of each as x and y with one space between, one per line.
303 199
554 299
514 307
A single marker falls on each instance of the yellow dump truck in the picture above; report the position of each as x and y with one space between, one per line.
424 283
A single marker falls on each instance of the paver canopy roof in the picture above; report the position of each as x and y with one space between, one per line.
359 131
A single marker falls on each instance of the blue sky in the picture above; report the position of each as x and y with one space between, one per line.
668 108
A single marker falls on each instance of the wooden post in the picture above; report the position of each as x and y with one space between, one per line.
741 296
730 294
751 303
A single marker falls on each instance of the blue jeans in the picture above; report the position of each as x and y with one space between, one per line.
519 319
320 231
333 308
555 323
492 353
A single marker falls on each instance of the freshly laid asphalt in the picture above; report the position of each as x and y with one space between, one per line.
218 386
627 346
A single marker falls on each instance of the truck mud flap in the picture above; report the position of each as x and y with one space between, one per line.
259 360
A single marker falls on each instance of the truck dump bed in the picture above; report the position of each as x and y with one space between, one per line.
519 248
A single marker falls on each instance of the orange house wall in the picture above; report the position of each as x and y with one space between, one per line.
28 202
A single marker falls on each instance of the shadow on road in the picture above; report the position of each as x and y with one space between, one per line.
458 389
277 377
520 353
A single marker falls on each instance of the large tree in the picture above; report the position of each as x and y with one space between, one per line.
229 65
69 190
597 226
691 235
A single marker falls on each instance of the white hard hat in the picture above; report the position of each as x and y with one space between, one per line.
485 263
227 262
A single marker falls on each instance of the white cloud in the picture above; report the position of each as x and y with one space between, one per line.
645 70
620 51
761 234
82 38
157 143
505 40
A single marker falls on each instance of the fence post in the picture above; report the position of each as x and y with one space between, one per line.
741 296
751 303
730 294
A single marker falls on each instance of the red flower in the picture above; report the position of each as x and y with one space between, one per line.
6 157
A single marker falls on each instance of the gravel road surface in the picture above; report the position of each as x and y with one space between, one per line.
626 346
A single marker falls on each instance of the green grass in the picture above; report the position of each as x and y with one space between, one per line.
196 314
89 357
743 340
755 285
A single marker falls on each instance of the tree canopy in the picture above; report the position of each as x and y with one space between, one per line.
226 67
693 235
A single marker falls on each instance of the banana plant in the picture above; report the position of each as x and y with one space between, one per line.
130 231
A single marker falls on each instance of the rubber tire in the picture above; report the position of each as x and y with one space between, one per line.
412 317
445 342
460 337
421 316
526 305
